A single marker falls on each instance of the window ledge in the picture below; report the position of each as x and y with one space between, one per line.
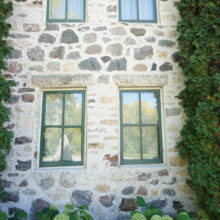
128 80
65 80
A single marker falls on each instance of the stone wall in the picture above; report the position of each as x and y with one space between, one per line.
100 55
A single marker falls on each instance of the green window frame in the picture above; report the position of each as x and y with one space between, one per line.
62 132
66 7
137 10
140 122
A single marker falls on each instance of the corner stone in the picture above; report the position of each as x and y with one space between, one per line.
90 64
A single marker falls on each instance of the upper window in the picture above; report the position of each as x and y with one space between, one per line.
141 138
66 10
62 134
137 11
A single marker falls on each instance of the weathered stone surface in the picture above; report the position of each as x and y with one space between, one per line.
158 203
102 188
143 52
176 57
94 49
144 176
174 180
154 181
100 28
111 8
15 54
90 64
10 125
138 32
118 65
29 192
81 197
129 41
166 43
57 52
154 67
14 67
46 38
39 204
166 67
73 55
105 59
11 197
18 35
106 39
142 191
163 172
5 183
128 190
141 79
150 39
115 49
52 27
118 31
23 165
112 159
28 98
31 27
47 183
67 180
23 140
36 54
64 80
37 68
140 67
107 201
23 183
84 29
169 192
90 38
14 99
69 37
127 205
177 161
177 205
172 112
53 66
103 79
23 90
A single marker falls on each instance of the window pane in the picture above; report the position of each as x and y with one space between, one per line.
149 108
54 108
52 144
75 9
131 142
72 144
128 10
73 109
57 9
130 107
146 10
150 142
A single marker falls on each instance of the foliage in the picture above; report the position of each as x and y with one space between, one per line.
5 85
199 40
14 214
138 216
70 213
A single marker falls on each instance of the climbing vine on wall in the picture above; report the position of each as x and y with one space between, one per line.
5 85
199 40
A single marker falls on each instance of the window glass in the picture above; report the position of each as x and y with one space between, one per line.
57 9
128 10
75 10
146 9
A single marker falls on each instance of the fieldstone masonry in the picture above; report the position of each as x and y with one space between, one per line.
101 55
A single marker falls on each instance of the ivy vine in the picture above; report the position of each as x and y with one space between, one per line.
199 42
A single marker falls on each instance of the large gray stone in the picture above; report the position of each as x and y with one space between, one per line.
143 52
23 165
177 57
118 65
105 59
62 80
11 197
107 201
57 52
15 54
36 54
163 172
166 43
17 35
52 27
138 32
14 67
129 41
166 67
158 203
47 183
81 197
46 38
172 112
90 64
69 37
39 204
73 55
128 190
118 31
142 191
169 192
127 205
23 140
115 49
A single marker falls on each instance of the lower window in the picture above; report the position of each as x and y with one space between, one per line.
141 136
62 134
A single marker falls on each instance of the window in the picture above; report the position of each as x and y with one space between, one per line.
141 138
137 11
65 10
62 134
